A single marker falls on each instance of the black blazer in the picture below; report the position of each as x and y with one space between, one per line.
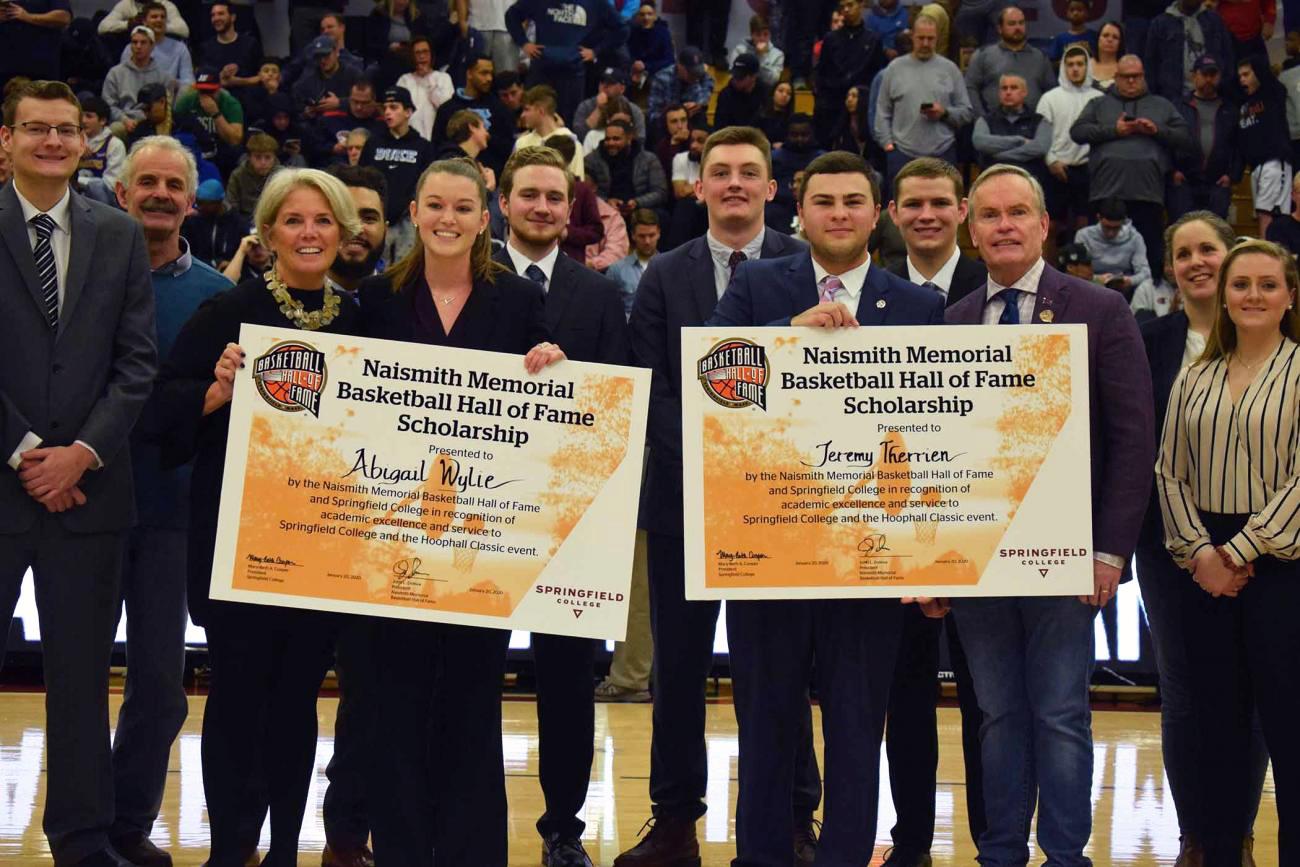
503 315
676 291
1165 339
584 311
969 276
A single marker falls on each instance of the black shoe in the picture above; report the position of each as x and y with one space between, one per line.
139 849
805 842
671 842
103 858
896 857
561 851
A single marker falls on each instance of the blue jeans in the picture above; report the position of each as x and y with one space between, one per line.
1031 660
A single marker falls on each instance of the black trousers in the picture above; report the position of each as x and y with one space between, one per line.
259 725
683 655
706 26
345 811
1243 654
776 647
912 737
566 728
438 794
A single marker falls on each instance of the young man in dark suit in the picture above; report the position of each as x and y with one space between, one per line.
851 644
79 324
929 204
1032 657
680 288
584 312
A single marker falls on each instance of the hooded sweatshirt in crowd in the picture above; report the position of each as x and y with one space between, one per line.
1125 254
1134 167
123 84
564 26
1262 131
1061 107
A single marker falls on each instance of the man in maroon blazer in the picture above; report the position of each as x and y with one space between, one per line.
1031 657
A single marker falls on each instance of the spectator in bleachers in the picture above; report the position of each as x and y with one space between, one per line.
324 86
477 96
306 18
1074 260
851 57
251 260
979 18
234 55
1076 12
31 32
922 103
401 154
542 120
585 227
673 137
613 83
152 115
335 28
689 218
248 180
852 129
771 60
488 17
1204 174
429 87
1067 160
102 161
390 30
616 106
1013 133
1292 44
126 80
327 134
1110 48
686 83
356 143
788 163
125 14
569 35
1250 24
509 91
706 26
1263 139
804 35
1285 230
775 117
624 174
887 19
283 126
626 272
742 101
256 100
210 107
359 257
1183 32
1117 252
1134 136
171 54
614 245
213 230
467 136
1011 53
650 42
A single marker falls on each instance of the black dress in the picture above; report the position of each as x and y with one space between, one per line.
259 723
439 786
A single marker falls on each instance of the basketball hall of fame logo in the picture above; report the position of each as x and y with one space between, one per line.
291 376
734 373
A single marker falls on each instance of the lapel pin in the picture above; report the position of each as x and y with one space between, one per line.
1045 315
880 304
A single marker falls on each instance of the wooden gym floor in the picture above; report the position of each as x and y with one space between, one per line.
1134 815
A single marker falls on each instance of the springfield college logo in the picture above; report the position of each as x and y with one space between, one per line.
291 377
735 373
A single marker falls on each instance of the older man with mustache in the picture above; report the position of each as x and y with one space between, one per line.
157 189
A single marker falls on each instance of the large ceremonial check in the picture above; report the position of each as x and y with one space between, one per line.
887 461
429 483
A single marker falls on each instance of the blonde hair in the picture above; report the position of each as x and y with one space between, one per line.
1223 336
411 266
285 181
999 169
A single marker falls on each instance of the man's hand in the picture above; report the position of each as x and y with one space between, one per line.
933 607
69 499
1179 178
11 12
129 124
602 98
1224 182
54 470
691 108
616 204
533 50
681 135
1146 126
827 314
587 55
328 102
1058 170
935 111
1105 583
1125 128
489 178
229 71
208 105
1266 30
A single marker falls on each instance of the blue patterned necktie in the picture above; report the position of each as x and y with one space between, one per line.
537 275
45 270
1011 310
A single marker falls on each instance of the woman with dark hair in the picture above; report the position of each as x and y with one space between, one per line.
391 28
775 118
1228 478
440 777
1110 48
852 130
1195 247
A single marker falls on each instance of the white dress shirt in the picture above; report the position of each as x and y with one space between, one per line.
853 282
546 263
721 254
1028 286
942 279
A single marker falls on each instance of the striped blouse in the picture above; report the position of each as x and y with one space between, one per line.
1242 459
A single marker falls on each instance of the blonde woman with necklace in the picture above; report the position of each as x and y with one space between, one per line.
440 779
259 723
1228 479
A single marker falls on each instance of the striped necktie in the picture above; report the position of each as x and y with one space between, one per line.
45 270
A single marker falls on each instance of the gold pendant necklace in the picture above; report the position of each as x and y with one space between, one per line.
294 310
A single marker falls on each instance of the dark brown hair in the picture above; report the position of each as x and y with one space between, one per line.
738 135
930 168
461 123
46 90
840 163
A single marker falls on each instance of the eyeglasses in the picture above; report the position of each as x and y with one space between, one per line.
38 130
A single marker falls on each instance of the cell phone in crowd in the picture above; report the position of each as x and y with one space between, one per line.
926 106
1127 118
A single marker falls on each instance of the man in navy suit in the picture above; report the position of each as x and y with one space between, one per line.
679 289
851 644
584 312
1031 657
929 205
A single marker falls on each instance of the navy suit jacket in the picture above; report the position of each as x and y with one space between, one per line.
1165 339
676 291
584 311
967 277
1122 426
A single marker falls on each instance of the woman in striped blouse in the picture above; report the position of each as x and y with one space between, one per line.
1229 483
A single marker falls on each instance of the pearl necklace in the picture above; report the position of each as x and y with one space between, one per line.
294 310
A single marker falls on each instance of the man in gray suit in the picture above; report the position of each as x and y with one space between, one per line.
78 310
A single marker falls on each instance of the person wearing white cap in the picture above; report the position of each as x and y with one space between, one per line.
125 81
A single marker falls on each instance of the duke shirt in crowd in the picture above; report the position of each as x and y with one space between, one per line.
401 159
